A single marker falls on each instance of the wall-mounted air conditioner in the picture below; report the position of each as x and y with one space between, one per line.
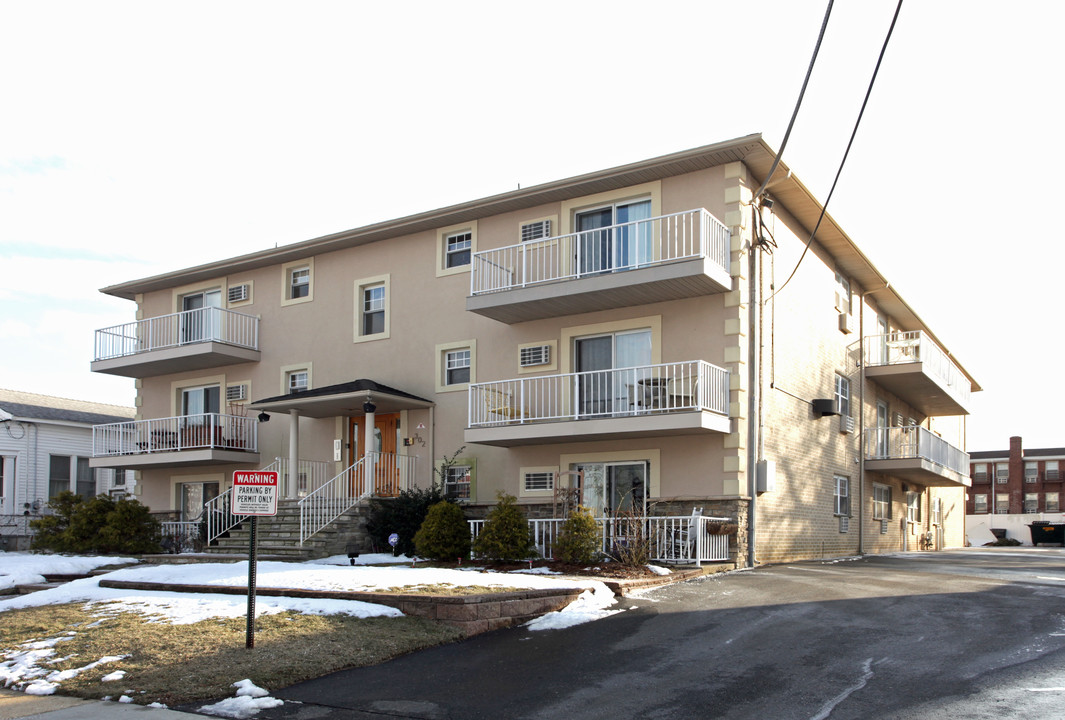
846 323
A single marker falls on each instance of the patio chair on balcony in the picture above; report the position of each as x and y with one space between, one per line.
498 402
684 537
682 391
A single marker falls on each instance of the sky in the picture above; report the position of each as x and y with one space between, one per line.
142 137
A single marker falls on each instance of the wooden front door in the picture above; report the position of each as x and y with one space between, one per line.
385 471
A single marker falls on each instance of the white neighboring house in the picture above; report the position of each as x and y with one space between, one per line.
45 446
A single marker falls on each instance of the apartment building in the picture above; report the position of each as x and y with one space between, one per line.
624 331
1011 488
45 448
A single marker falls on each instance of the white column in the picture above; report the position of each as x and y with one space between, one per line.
368 446
293 453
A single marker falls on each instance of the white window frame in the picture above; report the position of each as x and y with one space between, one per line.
1031 503
1031 472
1050 470
881 502
841 495
443 351
442 255
913 507
288 274
1052 507
1003 498
843 299
382 282
458 482
297 381
843 395
457 249
290 371
979 472
1002 473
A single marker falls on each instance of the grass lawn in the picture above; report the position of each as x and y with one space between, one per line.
176 664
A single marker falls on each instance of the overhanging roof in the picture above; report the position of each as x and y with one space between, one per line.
345 399
752 150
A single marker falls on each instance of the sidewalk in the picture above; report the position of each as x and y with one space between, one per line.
14 705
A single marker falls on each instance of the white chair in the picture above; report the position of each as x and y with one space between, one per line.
684 537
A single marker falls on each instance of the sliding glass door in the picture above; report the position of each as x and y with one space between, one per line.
614 237
603 389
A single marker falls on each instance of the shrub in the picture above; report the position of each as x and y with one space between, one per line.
632 546
578 539
505 535
100 524
402 515
445 534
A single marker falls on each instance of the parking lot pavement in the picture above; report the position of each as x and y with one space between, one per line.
921 635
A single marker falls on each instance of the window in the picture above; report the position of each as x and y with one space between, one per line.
457 482
612 237
457 367
913 507
1002 503
299 283
881 502
297 381
843 294
1002 473
980 472
1051 502
842 495
937 511
539 481
1031 503
457 249
1031 472
373 310
86 483
980 503
1051 469
843 395
58 474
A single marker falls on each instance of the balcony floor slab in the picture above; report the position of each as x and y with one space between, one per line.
609 428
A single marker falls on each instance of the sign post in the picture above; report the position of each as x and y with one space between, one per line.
254 494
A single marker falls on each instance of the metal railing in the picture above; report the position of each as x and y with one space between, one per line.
180 537
17 525
183 432
913 442
625 246
912 347
375 474
206 324
647 389
675 539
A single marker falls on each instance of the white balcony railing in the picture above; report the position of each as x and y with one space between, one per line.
172 434
912 443
207 324
648 389
375 474
680 236
915 347
683 539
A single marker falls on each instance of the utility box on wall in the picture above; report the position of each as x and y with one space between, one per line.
765 476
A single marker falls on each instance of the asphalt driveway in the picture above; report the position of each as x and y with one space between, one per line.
974 633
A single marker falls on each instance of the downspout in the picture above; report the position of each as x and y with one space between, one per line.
754 446
861 423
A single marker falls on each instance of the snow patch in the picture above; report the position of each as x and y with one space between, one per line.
249 701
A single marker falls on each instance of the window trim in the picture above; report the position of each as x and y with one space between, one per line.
1057 501
976 503
442 235
287 270
842 394
1027 497
287 371
880 503
441 365
841 501
361 286
843 290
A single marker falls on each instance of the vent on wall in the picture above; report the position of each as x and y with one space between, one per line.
846 323
238 293
844 524
236 392
535 230
846 424
535 355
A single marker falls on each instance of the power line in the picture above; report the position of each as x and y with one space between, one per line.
854 132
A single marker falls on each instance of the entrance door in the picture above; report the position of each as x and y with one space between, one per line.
200 321
385 469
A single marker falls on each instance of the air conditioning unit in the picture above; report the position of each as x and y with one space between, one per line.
846 323
825 406
536 230
238 293
846 424
844 524
235 393
535 355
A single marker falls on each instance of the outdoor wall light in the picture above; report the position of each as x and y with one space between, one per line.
368 407
264 417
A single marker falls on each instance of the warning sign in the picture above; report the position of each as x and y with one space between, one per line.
254 492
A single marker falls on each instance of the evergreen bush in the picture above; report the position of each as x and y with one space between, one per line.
505 535
445 534
578 539
402 515
100 525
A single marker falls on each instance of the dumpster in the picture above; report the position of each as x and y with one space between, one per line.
1047 532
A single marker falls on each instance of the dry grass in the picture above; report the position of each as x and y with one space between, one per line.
452 590
176 664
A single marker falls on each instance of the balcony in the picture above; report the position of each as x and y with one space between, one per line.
686 398
913 367
185 440
917 455
207 337
670 257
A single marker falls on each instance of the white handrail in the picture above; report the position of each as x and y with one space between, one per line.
172 434
625 246
381 474
899 348
680 539
914 442
645 389
206 324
